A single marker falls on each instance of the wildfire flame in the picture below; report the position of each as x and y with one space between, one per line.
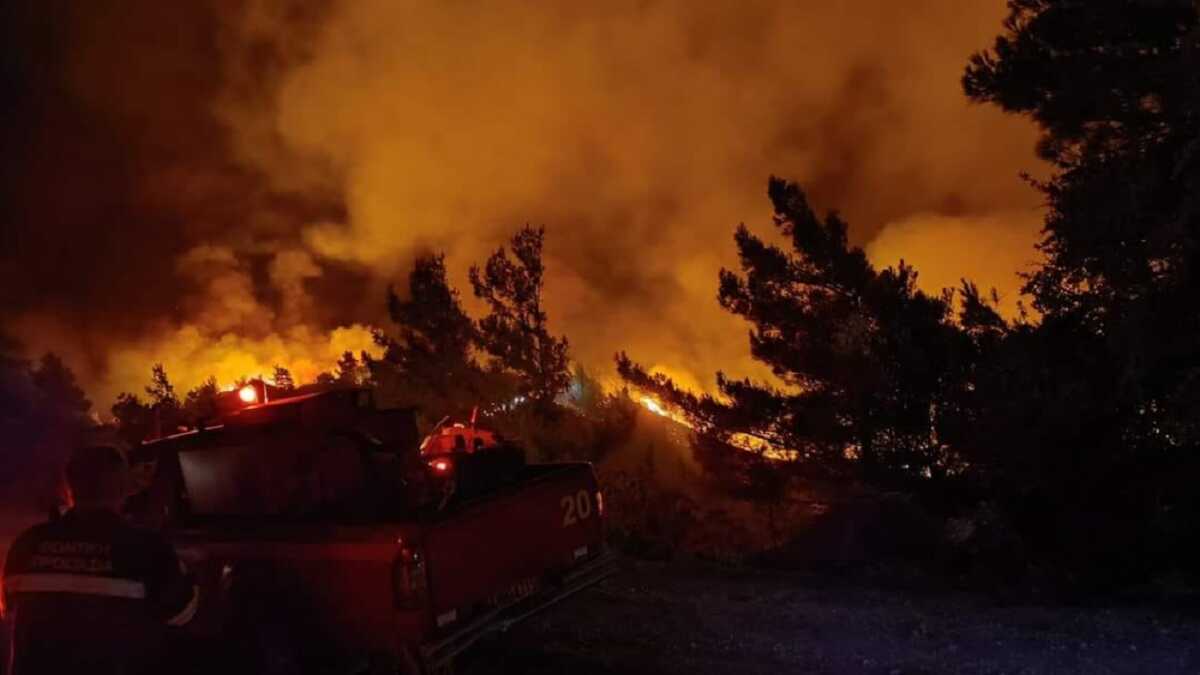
742 441
655 407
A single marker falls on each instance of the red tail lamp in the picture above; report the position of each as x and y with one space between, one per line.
441 466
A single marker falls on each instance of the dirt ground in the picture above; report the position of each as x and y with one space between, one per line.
701 619
698 619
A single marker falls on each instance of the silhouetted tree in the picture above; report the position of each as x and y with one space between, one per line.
43 413
160 389
868 362
200 404
164 402
283 379
430 361
61 395
515 333
349 371
366 369
1098 407
435 334
1115 88
135 419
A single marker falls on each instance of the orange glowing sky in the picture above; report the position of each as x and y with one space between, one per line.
230 185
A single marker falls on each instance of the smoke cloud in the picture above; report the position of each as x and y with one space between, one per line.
991 250
230 185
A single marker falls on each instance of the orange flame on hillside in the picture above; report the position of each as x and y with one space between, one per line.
742 441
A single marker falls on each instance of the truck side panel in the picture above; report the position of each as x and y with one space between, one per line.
333 580
510 540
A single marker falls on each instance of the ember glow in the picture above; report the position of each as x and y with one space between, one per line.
237 192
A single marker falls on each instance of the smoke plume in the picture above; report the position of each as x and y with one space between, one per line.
229 185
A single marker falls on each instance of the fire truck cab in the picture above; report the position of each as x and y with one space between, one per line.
320 533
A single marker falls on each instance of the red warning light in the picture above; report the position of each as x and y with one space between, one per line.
441 465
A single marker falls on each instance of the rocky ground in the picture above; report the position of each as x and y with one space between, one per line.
698 619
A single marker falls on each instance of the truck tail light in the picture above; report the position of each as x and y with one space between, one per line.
408 579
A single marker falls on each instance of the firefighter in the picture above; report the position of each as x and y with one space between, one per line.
89 593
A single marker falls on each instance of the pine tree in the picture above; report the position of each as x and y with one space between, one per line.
867 361
164 402
61 394
43 414
200 404
349 371
135 419
430 362
283 379
366 369
161 391
1115 88
433 327
515 333
1092 416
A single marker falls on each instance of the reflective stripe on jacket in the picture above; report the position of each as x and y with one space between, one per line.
90 591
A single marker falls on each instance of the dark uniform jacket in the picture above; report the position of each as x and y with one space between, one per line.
89 593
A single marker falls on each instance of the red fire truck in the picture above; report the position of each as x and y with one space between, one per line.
321 533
